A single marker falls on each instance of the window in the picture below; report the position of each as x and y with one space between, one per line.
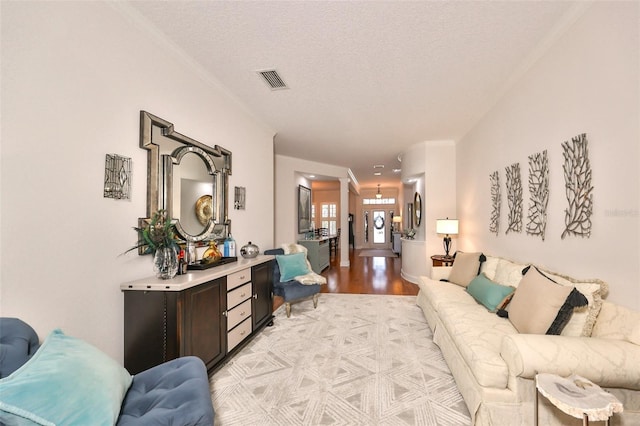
329 213
378 201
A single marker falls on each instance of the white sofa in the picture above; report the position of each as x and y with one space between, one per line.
494 366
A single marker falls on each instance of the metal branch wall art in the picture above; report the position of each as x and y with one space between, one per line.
494 224
538 193
514 198
577 176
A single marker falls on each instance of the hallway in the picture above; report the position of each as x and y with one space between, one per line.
367 275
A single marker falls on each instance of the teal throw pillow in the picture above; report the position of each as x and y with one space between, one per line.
492 295
292 265
66 382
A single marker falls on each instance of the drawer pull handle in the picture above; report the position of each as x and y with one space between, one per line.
242 277
224 313
243 333
255 296
242 295
242 313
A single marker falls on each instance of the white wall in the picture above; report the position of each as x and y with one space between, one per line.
587 82
74 77
428 168
288 172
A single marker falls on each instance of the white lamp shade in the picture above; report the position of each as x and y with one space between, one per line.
447 226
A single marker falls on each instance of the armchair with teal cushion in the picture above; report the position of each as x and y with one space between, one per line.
68 381
291 291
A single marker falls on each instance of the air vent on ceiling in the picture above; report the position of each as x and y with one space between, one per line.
273 80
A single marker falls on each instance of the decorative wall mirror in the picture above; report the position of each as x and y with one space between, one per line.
417 209
187 178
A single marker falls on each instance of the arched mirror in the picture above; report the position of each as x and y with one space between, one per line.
187 178
417 209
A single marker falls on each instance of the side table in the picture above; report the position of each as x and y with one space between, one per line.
440 260
577 397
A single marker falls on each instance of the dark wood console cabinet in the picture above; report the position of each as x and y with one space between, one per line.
188 315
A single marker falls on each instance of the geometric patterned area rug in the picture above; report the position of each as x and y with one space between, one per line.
358 359
377 253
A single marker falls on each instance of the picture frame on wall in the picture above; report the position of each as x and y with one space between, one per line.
304 209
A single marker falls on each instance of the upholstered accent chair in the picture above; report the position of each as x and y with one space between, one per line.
291 291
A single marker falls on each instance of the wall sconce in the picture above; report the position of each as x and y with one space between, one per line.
240 195
447 227
117 177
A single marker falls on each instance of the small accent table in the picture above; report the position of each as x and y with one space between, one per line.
577 397
440 260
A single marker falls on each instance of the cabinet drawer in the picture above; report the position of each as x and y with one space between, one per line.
238 314
238 278
238 334
238 295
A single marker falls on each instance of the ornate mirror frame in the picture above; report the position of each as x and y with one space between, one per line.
160 176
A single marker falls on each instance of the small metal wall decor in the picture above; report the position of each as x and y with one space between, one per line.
578 187
240 193
496 200
514 198
117 177
538 193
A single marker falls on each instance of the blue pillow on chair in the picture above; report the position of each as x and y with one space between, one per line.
67 381
292 265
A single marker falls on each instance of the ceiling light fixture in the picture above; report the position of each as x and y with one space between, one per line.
378 194
377 174
378 166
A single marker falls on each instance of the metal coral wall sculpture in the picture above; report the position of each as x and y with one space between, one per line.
577 176
538 193
514 198
496 199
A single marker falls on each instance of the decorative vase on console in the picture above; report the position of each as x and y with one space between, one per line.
158 238
165 262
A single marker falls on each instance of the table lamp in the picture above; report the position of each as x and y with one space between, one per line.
397 220
447 227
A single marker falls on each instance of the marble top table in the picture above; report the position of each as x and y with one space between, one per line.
577 397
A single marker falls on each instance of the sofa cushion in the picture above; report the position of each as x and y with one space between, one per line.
489 267
439 293
508 273
67 381
465 268
617 322
175 392
477 334
536 303
18 343
492 295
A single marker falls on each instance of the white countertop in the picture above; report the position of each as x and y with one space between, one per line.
194 278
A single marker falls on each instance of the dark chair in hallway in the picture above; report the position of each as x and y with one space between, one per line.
291 291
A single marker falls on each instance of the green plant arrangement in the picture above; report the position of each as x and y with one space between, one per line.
158 238
156 234
410 234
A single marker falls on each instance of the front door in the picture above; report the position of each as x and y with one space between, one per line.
379 227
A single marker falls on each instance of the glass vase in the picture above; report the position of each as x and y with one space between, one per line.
165 262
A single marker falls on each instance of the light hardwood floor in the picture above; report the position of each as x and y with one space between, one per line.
366 275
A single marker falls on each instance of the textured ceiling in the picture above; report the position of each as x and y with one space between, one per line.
367 79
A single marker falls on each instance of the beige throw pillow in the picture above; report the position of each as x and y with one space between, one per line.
536 303
465 268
